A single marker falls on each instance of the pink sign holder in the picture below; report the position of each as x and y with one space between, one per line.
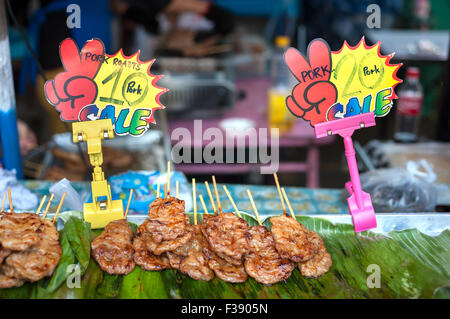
359 203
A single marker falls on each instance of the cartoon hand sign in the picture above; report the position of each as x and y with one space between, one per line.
75 88
315 94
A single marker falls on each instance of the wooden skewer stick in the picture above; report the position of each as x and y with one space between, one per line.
3 201
279 193
254 207
59 207
211 198
128 204
41 204
176 189
48 205
158 188
217 194
11 208
236 210
194 199
287 202
165 190
203 203
168 178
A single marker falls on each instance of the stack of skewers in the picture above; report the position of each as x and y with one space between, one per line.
223 245
29 245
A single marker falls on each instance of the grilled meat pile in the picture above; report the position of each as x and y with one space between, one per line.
113 249
291 239
29 249
223 245
192 258
321 262
227 237
167 227
263 262
298 244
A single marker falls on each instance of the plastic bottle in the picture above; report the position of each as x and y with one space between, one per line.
281 85
409 107
421 12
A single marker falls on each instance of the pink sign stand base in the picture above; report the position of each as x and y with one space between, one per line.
359 203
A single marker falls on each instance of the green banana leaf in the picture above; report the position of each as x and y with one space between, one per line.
401 264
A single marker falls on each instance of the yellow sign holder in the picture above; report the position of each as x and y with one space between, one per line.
103 209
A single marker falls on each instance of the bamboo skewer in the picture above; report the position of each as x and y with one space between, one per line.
3 201
176 189
128 204
287 202
211 198
158 188
254 207
59 207
203 203
217 194
194 199
41 204
279 193
168 178
232 201
48 205
11 208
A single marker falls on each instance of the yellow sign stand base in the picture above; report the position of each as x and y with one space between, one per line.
103 209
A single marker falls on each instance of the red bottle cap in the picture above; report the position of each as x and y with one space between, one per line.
413 72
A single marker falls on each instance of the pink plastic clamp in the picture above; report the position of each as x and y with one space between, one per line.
359 203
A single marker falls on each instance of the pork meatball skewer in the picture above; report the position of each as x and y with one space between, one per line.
227 244
190 258
113 249
37 261
290 236
262 262
321 262
164 231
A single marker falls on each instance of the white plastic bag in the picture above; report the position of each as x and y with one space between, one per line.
402 190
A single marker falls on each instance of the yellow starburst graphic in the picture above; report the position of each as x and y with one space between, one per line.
127 84
364 79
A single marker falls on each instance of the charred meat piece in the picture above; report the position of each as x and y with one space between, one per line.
291 239
190 258
145 259
226 271
161 247
167 220
113 249
18 231
8 282
38 261
315 239
321 262
167 227
318 265
4 253
263 262
227 236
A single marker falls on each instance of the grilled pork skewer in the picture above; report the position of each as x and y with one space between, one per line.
167 225
192 258
227 236
263 262
321 262
113 249
145 259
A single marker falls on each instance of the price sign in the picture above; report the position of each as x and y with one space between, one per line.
96 85
333 85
